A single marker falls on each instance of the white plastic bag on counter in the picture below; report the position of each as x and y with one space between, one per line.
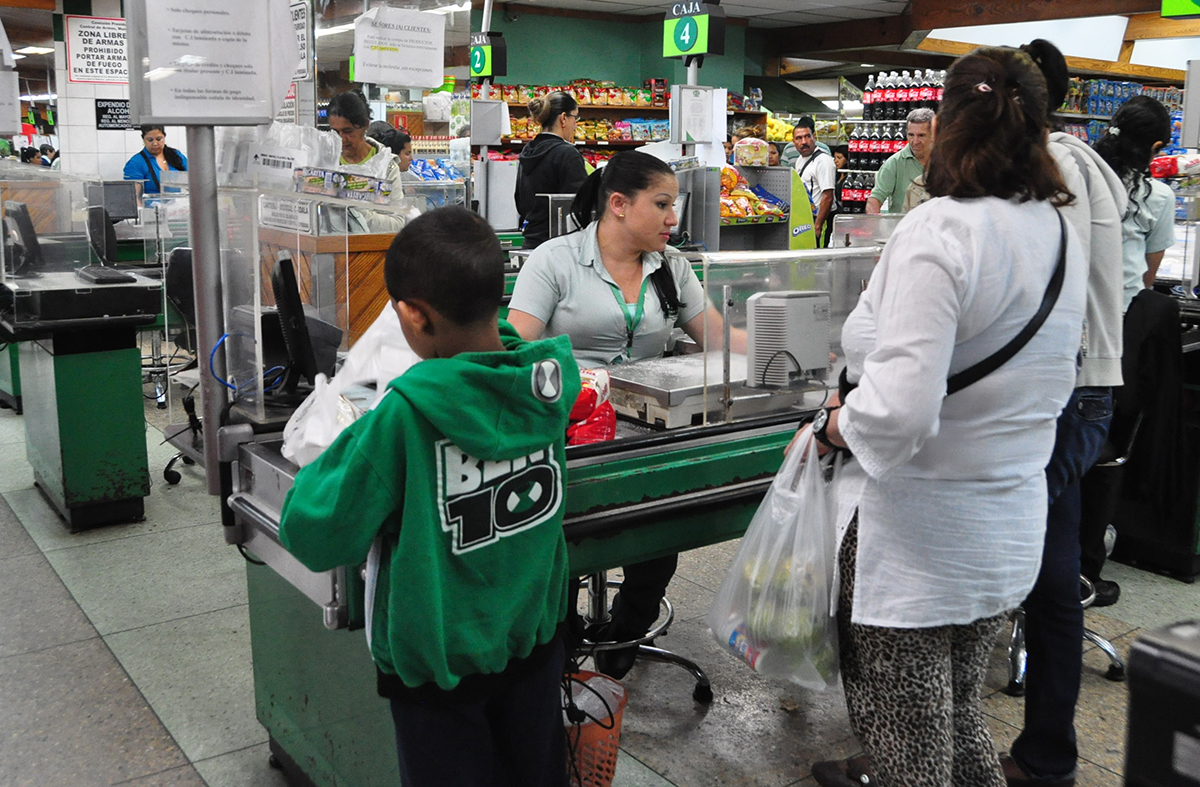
773 609
379 356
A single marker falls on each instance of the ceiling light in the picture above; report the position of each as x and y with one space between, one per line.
18 57
40 97
866 65
1097 37
35 50
450 9
328 31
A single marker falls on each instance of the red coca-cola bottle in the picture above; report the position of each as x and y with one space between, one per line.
889 97
868 97
940 86
875 149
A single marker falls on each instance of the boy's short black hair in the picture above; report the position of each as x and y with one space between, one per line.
449 258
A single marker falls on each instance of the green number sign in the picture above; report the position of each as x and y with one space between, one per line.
685 33
1180 9
481 61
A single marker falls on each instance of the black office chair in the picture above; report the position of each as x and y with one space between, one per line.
181 293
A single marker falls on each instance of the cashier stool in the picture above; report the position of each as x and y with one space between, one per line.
598 585
1109 458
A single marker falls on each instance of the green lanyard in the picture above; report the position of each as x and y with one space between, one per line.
631 323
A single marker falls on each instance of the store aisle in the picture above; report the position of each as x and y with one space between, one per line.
125 659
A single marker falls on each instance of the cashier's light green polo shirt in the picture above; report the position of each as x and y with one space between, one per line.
893 178
565 285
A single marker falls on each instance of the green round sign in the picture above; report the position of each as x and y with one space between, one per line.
686 32
478 60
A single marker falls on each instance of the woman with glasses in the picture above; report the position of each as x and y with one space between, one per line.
550 164
349 116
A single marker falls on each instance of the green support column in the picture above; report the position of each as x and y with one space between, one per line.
84 424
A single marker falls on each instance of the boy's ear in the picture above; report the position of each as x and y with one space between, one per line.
415 314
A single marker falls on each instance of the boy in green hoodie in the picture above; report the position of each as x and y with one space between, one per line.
451 490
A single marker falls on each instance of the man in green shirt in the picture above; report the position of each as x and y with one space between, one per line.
898 172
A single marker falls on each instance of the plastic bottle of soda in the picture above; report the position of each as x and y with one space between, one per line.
939 87
867 97
875 149
904 97
889 96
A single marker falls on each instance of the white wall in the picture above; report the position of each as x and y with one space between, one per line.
84 149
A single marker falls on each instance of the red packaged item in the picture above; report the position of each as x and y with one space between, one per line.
1164 167
593 393
601 425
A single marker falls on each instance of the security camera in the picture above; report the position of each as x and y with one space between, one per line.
510 16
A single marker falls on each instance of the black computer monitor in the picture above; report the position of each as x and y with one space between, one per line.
311 343
677 232
101 236
118 197
26 251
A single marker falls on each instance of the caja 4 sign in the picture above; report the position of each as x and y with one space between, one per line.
693 28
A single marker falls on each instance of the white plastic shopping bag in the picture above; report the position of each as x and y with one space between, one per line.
379 356
773 608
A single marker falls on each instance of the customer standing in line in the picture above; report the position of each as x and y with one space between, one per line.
900 170
1045 752
550 164
1137 131
610 287
349 116
155 158
819 175
944 500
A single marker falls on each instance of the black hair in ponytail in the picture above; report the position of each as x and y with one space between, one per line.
1128 145
627 173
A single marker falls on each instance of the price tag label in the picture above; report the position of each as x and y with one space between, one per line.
694 28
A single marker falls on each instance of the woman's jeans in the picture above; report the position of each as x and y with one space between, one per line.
1053 615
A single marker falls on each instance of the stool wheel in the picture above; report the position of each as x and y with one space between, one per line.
1015 689
187 460
1115 673
172 477
703 693
274 763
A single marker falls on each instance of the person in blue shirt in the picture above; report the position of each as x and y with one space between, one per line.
154 159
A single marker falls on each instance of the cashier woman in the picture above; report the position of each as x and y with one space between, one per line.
155 158
612 290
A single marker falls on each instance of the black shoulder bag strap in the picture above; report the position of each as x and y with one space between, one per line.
811 159
153 169
997 359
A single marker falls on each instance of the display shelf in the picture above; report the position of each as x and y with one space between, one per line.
589 143
732 221
1080 116
601 107
762 112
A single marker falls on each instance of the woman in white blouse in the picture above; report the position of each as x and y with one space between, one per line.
944 503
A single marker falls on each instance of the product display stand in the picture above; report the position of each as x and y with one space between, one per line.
10 377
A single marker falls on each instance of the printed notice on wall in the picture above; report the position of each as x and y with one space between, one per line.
399 48
217 62
303 31
112 114
96 50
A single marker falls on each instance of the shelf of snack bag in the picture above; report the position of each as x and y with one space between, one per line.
742 203
425 146
587 92
1091 103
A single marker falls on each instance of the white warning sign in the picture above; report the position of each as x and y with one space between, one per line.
96 50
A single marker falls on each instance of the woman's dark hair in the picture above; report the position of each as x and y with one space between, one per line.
1129 144
628 173
352 106
991 132
28 154
1050 61
546 109
174 160
392 138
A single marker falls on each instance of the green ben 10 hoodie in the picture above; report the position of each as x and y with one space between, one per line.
454 484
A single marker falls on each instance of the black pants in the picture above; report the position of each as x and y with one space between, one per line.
636 606
513 739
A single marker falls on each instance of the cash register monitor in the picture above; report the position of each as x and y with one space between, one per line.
101 235
678 231
21 240
311 343
118 197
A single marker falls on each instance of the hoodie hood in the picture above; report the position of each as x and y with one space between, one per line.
505 405
537 152
1080 148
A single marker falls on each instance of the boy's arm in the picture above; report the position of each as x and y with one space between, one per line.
336 506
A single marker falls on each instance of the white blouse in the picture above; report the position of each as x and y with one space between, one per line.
951 491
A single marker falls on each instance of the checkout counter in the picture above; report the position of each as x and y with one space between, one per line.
73 318
700 437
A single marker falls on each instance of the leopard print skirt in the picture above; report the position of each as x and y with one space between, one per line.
914 694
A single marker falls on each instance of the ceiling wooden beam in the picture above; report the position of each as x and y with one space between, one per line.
1147 26
934 14
1077 65
805 40
36 5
